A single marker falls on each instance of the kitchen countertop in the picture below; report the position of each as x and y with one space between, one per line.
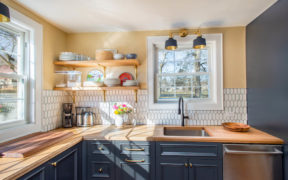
12 168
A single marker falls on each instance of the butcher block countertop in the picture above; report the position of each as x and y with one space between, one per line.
12 168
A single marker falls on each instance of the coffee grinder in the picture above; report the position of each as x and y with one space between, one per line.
67 115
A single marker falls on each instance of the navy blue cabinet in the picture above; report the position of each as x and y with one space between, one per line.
130 160
66 166
99 160
135 160
188 161
40 173
121 160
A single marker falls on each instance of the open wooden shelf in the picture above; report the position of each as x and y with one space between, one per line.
95 63
98 88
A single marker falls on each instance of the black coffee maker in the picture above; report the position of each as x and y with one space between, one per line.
67 116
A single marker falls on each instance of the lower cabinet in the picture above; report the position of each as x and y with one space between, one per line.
120 160
66 166
130 160
40 173
188 161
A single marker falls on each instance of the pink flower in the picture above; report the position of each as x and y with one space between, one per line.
115 106
123 105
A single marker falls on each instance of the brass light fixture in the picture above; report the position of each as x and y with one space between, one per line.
198 43
171 44
4 13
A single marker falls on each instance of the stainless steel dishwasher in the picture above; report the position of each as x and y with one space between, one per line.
252 162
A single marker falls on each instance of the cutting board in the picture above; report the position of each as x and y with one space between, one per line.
32 145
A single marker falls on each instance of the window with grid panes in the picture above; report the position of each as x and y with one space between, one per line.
194 74
13 76
183 72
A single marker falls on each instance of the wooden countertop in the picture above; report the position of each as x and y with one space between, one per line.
12 168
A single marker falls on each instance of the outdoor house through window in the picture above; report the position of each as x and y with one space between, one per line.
183 72
194 74
13 76
20 76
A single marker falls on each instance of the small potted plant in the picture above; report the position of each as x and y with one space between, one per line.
121 111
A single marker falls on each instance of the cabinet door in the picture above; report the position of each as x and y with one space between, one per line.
65 166
204 170
39 173
172 169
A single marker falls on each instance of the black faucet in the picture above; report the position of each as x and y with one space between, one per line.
181 110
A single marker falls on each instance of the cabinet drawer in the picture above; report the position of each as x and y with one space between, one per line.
130 159
99 148
100 169
187 149
136 148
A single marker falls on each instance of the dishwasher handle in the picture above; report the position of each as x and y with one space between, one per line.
275 151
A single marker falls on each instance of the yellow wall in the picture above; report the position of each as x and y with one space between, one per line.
54 41
128 42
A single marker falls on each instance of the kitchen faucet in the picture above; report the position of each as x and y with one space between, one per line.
181 110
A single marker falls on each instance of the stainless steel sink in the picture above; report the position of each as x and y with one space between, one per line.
185 131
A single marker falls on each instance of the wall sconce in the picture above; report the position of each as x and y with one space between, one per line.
4 13
198 43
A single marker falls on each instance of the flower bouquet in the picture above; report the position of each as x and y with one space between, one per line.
121 111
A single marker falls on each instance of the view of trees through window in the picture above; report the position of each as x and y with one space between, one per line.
11 76
183 72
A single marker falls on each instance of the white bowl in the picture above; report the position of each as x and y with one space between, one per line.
118 56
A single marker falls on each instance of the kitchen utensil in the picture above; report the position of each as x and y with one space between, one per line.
131 56
88 119
237 127
125 76
67 56
92 84
34 144
112 82
130 83
67 116
95 75
80 111
104 55
118 56
70 78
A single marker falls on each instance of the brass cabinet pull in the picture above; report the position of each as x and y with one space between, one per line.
186 165
190 164
129 160
100 170
54 164
141 149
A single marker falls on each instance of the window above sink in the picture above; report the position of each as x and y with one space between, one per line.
194 74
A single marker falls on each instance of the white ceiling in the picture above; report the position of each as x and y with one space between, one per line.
136 15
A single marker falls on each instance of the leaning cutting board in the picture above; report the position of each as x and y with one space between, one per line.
32 145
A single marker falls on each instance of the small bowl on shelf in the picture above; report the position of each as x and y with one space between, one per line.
131 56
118 56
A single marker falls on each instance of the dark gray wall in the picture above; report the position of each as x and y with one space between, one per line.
267 70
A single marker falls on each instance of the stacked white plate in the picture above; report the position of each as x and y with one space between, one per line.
112 82
93 84
67 56
130 83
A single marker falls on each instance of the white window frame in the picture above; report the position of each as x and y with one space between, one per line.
34 56
214 44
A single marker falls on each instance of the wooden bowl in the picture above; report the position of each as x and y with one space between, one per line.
104 55
236 127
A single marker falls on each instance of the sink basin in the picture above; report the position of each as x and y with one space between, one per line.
185 131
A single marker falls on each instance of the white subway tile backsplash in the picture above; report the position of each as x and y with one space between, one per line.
235 108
